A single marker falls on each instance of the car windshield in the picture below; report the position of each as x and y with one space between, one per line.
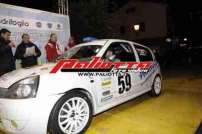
83 53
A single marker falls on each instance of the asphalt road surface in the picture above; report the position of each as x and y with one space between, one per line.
177 111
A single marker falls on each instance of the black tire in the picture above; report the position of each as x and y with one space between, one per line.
153 92
53 125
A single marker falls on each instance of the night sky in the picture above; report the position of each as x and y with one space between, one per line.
47 4
37 4
187 15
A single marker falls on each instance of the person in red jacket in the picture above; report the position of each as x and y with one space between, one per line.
52 48
70 44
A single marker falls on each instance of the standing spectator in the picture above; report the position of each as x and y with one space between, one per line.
7 61
70 44
156 53
52 48
27 52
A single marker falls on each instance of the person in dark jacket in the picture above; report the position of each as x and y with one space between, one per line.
27 52
7 61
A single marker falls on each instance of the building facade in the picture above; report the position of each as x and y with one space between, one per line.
140 21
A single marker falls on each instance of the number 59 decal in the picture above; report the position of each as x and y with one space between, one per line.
124 83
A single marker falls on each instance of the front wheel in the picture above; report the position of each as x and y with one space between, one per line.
72 114
156 86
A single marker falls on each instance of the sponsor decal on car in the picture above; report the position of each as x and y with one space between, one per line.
106 83
150 70
97 65
104 99
105 93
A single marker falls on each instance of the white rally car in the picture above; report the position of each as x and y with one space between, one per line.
35 101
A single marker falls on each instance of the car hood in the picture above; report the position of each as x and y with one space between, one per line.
10 78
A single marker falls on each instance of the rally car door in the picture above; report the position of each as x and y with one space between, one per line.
145 78
125 83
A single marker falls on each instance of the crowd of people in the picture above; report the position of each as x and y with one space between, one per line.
27 51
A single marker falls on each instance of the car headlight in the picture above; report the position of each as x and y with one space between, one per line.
26 88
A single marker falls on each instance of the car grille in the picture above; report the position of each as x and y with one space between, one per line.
3 92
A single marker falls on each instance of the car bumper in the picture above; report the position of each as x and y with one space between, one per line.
29 116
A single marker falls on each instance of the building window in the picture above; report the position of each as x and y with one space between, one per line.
139 27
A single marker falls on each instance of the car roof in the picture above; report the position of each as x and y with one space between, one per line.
102 42
97 42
